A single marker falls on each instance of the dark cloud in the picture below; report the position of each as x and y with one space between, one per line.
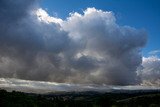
88 48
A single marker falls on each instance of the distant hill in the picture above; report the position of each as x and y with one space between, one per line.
122 98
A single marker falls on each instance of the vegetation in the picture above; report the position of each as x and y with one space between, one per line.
80 99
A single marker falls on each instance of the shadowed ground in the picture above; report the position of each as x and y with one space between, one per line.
81 99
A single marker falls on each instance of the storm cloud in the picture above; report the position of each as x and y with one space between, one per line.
84 48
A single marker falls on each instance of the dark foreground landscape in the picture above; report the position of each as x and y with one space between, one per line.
122 98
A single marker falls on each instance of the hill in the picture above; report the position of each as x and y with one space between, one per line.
81 99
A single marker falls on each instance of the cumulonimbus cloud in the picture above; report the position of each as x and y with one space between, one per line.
84 48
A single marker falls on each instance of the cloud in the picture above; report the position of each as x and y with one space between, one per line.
43 16
28 47
84 48
150 71
44 87
115 49
155 52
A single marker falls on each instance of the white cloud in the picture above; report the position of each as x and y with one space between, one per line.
115 49
155 52
150 73
44 17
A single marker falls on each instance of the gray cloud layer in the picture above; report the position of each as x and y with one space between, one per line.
45 87
84 48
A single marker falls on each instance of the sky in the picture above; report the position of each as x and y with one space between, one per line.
64 44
